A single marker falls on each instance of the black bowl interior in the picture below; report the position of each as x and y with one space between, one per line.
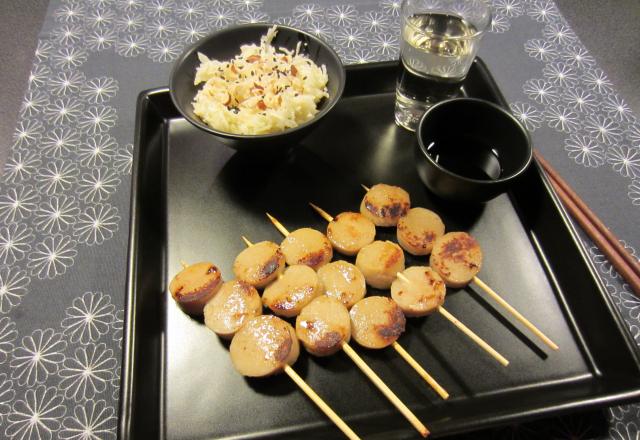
225 44
475 140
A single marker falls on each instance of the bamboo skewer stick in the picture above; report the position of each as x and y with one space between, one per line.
183 264
466 330
401 351
492 293
515 313
360 363
406 412
421 371
326 409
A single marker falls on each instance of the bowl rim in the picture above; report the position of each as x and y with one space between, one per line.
493 106
193 48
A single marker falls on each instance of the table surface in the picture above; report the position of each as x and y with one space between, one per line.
607 29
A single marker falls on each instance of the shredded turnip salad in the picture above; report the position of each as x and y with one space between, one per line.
262 90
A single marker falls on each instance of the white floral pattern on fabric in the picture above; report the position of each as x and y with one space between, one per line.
21 166
18 203
97 186
7 394
91 421
86 374
56 214
97 224
13 286
8 334
88 318
15 242
39 356
38 416
52 257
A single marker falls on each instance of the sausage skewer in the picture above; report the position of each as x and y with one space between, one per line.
267 345
401 351
471 276
251 356
466 330
457 257
436 304
325 338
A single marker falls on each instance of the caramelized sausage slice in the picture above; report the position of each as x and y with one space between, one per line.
379 262
307 246
418 230
349 232
287 295
457 258
194 285
259 264
376 322
343 281
323 326
422 295
235 303
263 346
385 204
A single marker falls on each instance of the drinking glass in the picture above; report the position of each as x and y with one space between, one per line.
440 39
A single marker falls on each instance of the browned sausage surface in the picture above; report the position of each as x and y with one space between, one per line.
194 285
457 258
323 326
235 303
385 204
259 264
379 262
418 230
307 246
263 346
287 295
422 294
350 231
376 322
343 281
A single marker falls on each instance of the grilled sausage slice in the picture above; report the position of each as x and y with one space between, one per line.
343 281
263 346
194 285
385 204
307 246
349 232
418 230
376 322
235 303
259 264
422 295
379 262
287 295
457 258
323 326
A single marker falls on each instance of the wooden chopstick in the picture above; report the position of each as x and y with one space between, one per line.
626 265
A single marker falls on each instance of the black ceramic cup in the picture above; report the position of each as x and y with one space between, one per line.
470 150
224 45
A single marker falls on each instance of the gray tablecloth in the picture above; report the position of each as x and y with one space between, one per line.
64 192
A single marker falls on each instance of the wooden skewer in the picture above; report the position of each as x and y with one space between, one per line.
466 330
401 351
335 418
366 188
515 313
279 226
421 371
424 432
373 377
183 264
324 214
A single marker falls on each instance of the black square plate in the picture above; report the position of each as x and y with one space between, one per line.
192 199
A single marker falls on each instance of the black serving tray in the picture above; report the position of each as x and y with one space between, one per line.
192 198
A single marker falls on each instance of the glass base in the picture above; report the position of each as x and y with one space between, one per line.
409 111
